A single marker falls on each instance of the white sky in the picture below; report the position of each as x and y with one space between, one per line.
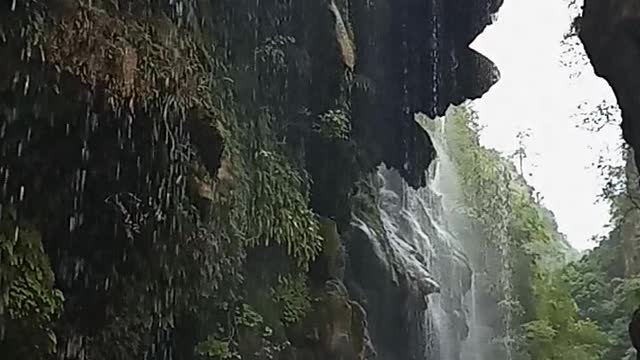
535 92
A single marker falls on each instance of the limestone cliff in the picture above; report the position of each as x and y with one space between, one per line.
610 31
186 170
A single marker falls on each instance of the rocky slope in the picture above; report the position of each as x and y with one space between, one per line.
180 175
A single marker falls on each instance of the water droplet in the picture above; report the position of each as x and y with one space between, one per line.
6 181
83 179
85 152
16 234
27 81
129 126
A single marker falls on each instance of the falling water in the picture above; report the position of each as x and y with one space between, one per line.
507 291
470 347
419 234
424 232
435 54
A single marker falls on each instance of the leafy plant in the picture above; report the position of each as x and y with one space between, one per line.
273 51
213 348
280 211
29 303
334 124
292 294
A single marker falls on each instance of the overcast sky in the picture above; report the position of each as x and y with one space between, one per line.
536 92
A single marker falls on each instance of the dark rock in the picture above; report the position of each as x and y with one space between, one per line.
331 262
337 327
417 56
610 31
634 331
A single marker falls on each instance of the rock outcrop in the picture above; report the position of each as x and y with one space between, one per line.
610 31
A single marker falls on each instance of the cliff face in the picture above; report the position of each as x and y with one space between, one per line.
178 177
610 32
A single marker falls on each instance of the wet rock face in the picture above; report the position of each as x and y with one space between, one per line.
610 31
337 329
416 56
398 268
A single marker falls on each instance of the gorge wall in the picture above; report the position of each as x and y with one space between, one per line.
610 31
185 179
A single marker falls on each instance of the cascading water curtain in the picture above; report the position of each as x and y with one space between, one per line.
508 304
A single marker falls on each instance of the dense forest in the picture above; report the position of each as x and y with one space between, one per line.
555 303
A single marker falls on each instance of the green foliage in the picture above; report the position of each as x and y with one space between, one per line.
29 303
605 282
280 213
334 124
213 348
609 302
273 51
559 333
292 294
175 261
535 299
245 332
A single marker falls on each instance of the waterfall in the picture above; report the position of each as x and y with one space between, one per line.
415 223
430 241
472 345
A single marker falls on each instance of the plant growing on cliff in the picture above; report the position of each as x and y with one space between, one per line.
29 303
273 51
280 213
244 333
292 295
334 124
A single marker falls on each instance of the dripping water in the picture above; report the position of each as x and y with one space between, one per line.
435 55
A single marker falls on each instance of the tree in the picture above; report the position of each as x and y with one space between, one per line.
521 151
